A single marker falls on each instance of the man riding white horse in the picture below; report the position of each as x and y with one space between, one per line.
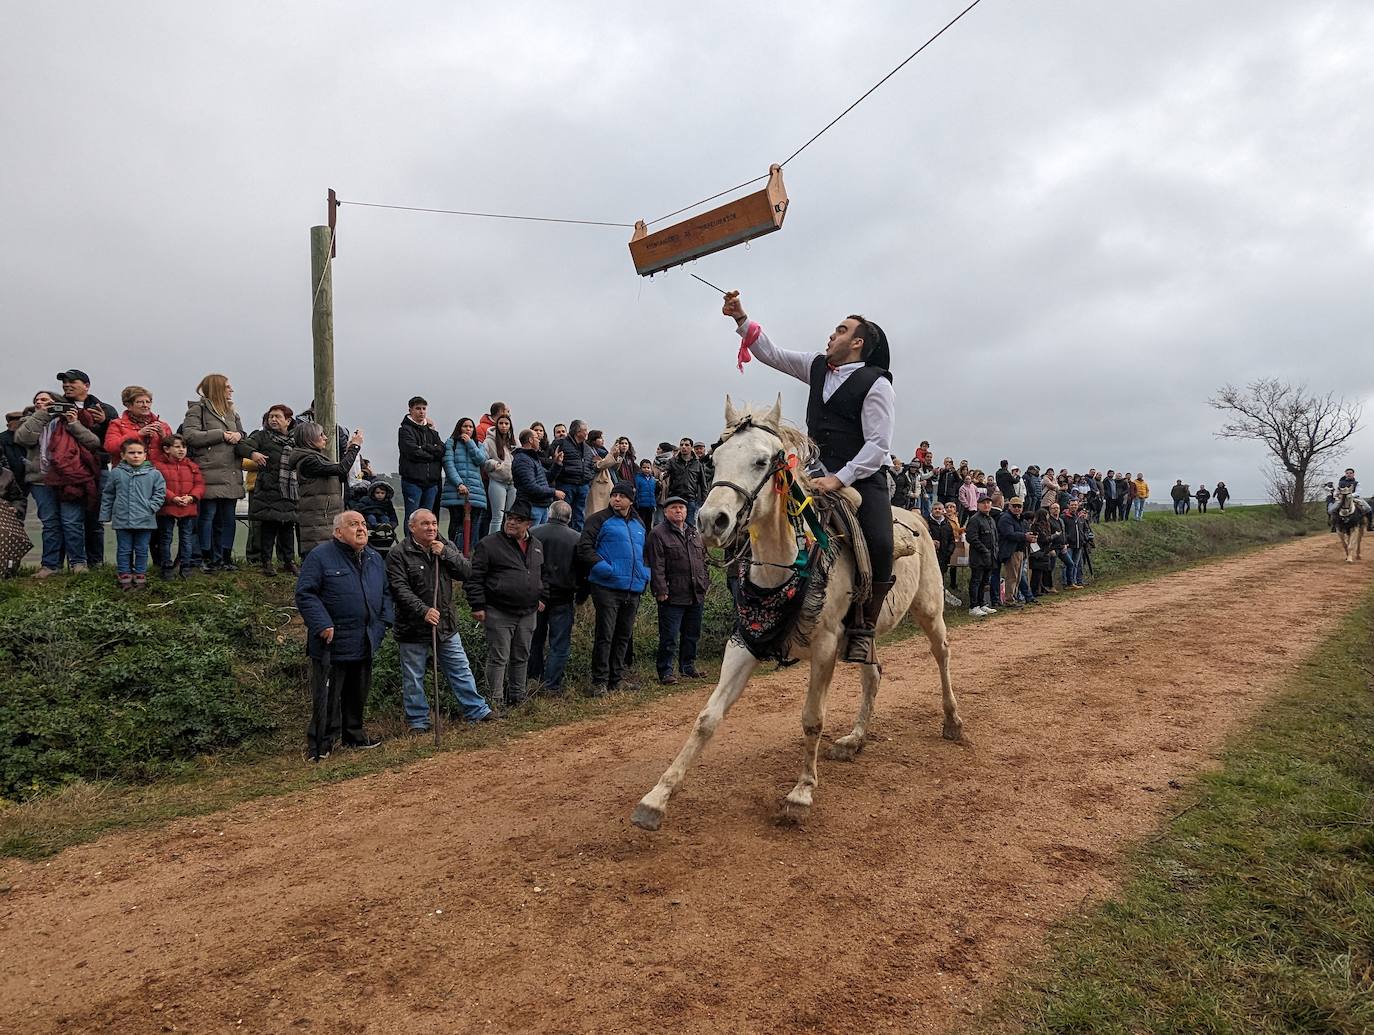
850 416
1348 482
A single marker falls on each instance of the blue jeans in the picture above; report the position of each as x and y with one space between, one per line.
1139 505
574 496
1073 566
539 515
679 629
64 528
168 527
215 529
692 507
131 550
453 662
418 497
554 627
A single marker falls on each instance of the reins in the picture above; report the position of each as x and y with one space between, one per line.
780 466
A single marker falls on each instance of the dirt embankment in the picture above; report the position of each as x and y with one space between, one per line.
506 890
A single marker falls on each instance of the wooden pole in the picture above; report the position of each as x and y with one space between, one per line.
322 330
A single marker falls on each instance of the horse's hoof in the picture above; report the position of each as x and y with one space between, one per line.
793 813
646 817
844 750
955 733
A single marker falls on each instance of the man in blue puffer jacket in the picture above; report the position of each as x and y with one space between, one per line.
342 598
611 551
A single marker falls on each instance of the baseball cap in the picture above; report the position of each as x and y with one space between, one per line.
73 375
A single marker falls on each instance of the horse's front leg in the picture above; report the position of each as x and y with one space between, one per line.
797 805
845 748
735 671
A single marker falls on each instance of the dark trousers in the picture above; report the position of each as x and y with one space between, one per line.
280 533
679 630
875 518
1202 506
552 629
338 692
646 514
1039 581
615 624
978 585
455 526
169 527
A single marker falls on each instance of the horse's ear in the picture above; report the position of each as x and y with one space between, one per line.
731 414
774 418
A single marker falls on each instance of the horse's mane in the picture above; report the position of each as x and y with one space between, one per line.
794 440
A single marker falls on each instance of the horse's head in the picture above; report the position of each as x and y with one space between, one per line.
753 447
1345 501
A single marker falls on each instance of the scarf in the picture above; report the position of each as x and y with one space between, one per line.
140 422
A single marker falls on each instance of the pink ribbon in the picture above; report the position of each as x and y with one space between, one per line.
751 335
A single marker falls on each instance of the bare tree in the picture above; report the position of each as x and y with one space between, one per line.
1302 432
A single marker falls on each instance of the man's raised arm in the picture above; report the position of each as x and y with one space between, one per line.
798 364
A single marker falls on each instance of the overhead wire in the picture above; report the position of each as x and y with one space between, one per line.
720 194
485 215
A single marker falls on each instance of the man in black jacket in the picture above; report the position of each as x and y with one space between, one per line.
677 575
573 469
981 534
555 623
422 458
947 482
684 478
420 572
1005 481
507 589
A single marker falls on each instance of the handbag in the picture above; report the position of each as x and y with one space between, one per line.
959 559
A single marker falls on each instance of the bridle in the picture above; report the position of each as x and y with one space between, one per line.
776 467
779 465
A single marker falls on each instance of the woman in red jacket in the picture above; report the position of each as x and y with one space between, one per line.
137 421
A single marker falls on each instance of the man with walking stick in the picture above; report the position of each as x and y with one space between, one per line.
341 596
420 572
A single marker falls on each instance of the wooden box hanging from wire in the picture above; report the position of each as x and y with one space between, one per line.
730 224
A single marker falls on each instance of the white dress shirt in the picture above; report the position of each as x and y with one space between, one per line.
879 414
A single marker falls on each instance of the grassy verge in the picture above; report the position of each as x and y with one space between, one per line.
1254 910
77 660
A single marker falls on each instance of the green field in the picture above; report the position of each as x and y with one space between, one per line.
128 708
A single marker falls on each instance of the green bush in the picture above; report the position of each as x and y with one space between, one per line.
106 685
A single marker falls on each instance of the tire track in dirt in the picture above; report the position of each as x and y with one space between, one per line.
505 890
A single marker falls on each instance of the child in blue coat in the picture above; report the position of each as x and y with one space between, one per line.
646 493
129 503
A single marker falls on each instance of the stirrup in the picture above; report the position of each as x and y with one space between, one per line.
860 647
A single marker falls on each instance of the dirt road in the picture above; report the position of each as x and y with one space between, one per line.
505 891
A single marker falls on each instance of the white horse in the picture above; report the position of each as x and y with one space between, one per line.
741 502
1350 521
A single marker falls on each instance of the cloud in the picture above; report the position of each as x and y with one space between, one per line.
1075 220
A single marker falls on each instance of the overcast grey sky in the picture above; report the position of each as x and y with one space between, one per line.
1074 219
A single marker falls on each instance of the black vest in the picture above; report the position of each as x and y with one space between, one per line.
837 426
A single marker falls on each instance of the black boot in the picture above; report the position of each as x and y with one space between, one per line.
860 648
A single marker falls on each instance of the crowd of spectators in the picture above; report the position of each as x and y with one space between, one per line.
537 523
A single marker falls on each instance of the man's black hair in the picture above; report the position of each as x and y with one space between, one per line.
875 351
417 400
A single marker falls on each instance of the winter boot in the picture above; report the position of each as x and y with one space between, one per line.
140 581
126 582
859 648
